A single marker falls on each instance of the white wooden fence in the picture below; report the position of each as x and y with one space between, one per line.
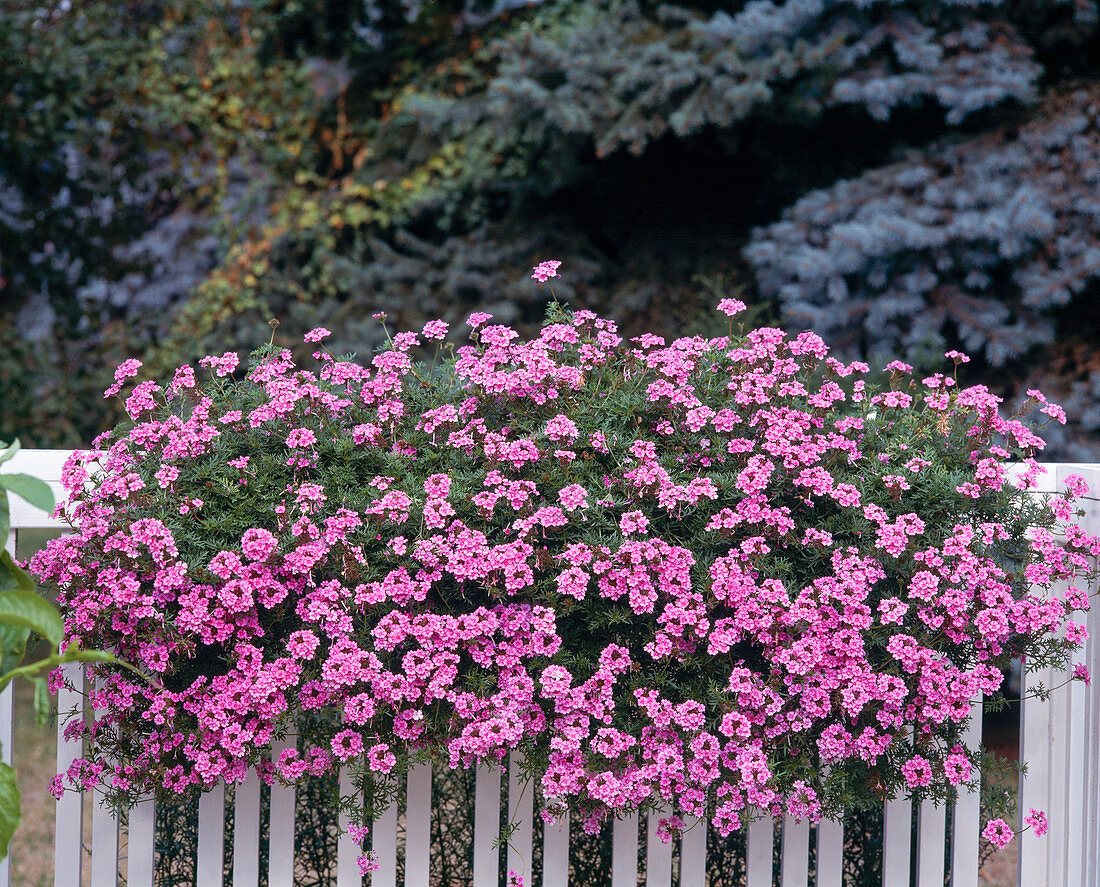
1059 739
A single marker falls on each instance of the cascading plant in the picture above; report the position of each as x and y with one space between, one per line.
729 576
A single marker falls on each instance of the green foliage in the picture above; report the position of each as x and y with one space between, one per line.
210 166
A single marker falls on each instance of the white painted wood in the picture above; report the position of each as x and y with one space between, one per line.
210 858
555 852
69 821
830 853
658 854
384 847
965 823
246 832
6 723
140 844
521 807
46 466
1082 788
896 841
418 826
348 850
280 853
1091 825
624 851
104 869
486 825
693 853
931 840
1036 737
795 861
1076 742
758 853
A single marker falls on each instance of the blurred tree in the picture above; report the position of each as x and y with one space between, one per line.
905 175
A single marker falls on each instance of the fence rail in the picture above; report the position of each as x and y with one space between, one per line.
1059 739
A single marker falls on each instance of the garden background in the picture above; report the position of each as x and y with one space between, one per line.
901 177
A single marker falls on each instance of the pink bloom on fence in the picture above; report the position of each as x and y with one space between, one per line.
999 833
1037 820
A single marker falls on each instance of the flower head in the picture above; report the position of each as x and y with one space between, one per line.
1037 820
998 832
545 270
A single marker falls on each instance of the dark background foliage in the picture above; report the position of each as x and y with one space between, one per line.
901 177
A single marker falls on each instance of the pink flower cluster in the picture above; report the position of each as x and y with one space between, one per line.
722 574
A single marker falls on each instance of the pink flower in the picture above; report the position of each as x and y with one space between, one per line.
730 307
999 833
1081 673
258 544
478 318
301 437
545 270
126 370
316 335
1037 820
957 356
917 772
347 744
435 330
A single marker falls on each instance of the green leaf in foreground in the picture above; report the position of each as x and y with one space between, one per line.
10 816
12 577
20 607
35 491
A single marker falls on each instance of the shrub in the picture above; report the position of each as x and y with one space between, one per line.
729 575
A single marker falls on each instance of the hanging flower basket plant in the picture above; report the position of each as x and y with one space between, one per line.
728 576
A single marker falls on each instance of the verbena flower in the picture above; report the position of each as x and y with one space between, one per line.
715 574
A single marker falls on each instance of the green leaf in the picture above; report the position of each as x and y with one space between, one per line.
9 451
35 491
39 615
10 817
42 706
13 577
13 646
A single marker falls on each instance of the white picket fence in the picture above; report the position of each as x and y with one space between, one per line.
1059 739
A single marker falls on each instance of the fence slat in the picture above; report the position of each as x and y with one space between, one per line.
830 853
418 824
658 854
693 853
486 825
69 823
280 853
104 869
795 864
246 832
896 840
758 852
6 724
140 844
1036 735
210 859
931 828
965 822
1091 826
521 808
555 852
383 835
624 851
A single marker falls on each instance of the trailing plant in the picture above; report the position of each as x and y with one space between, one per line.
730 575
